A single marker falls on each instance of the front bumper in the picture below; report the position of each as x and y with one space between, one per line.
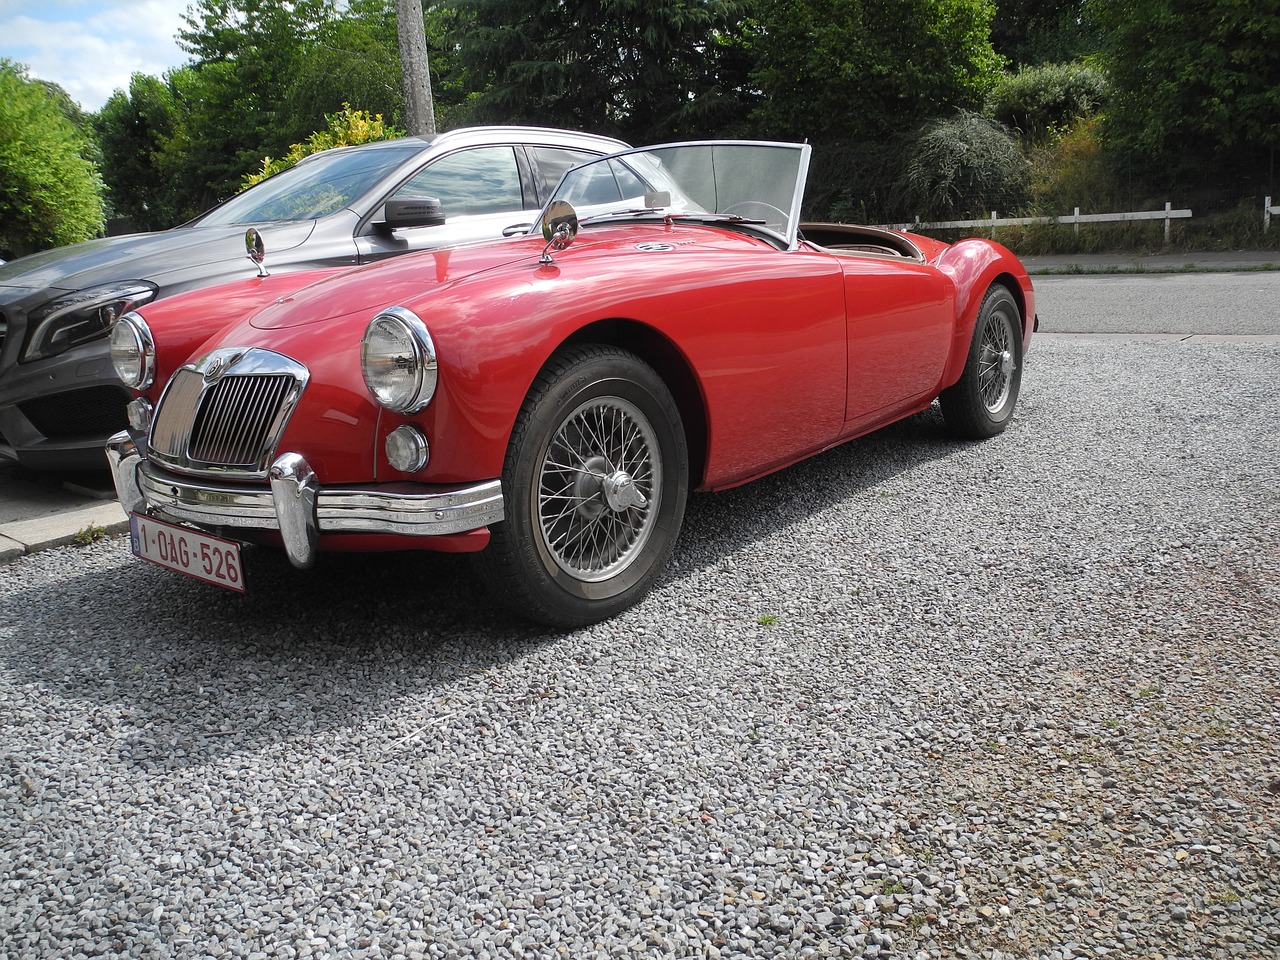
55 414
297 506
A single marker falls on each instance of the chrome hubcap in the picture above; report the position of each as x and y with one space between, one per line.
598 489
621 493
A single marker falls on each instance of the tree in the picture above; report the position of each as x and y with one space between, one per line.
266 73
1035 32
642 69
348 59
1195 88
420 112
863 70
855 78
245 54
136 133
49 192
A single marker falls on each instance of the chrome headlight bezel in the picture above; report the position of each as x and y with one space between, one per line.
398 361
133 352
75 318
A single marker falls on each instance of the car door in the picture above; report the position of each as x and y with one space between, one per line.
899 319
484 194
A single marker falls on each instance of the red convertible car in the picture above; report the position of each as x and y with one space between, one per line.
546 403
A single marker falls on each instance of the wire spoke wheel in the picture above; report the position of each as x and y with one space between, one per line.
599 489
995 363
980 404
594 484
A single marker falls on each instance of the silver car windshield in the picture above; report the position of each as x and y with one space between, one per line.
754 184
317 186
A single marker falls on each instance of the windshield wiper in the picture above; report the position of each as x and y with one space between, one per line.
636 212
715 218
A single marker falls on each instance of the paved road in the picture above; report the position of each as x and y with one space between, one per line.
1232 304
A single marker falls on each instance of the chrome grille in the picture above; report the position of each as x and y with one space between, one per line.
225 413
233 422
177 412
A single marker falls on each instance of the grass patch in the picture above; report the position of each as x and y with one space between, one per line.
90 535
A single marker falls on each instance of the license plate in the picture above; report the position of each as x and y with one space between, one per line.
188 551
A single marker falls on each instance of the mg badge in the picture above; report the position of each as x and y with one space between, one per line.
216 368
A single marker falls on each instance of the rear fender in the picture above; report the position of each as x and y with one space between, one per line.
974 266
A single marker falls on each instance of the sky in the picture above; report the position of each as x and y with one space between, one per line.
91 48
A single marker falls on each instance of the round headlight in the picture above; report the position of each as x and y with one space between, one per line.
133 351
398 360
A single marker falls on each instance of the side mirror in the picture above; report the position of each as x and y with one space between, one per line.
256 250
412 212
559 227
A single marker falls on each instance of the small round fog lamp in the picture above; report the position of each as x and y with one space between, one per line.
139 413
407 449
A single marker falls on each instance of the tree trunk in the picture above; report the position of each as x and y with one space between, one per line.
419 109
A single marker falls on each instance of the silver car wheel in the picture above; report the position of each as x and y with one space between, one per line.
996 363
980 404
599 489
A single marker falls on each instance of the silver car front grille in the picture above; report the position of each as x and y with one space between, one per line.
225 413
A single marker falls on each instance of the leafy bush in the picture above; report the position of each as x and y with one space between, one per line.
1071 170
50 194
1041 100
347 127
962 165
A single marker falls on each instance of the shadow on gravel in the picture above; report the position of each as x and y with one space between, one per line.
721 523
178 673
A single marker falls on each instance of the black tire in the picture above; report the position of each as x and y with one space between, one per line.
980 404
595 481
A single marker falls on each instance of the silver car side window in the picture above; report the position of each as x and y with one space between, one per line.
471 182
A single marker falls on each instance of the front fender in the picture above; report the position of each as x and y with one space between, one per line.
182 323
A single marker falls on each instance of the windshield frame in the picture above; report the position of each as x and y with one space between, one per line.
787 237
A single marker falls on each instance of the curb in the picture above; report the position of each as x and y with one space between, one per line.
22 537
1244 261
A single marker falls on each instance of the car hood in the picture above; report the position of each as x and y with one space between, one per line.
143 256
396 281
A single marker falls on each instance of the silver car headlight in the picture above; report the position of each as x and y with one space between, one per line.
78 317
398 360
133 352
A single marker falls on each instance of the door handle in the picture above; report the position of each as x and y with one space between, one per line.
517 229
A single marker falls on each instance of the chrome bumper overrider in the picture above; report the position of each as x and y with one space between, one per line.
296 504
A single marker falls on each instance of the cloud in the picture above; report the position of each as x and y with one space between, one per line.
91 48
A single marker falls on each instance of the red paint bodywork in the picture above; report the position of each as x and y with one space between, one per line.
772 355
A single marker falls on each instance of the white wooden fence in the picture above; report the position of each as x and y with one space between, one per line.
1267 211
1168 215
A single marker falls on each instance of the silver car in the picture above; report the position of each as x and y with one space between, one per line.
59 397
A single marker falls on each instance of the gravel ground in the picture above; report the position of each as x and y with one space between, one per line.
910 699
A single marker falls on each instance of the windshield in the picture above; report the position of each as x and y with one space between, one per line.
317 186
759 184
